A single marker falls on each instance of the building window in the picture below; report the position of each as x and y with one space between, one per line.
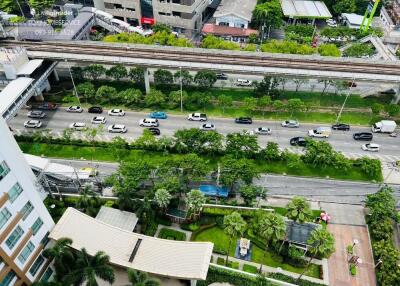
4 169
45 239
28 249
14 237
8 279
14 193
26 210
36 265
36 225
4 217
47 274
176 14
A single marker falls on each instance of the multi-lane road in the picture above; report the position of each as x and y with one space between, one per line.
341 140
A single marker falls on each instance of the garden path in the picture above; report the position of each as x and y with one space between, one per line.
176 227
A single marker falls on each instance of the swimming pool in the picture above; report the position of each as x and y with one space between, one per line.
214 191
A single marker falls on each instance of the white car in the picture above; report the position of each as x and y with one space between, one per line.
370 147
262 131
197 117
117 128
207 127
290 124
149 122
243 82
33 124
75 109
99 120
116 112
78 126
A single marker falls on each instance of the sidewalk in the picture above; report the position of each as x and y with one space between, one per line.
267 269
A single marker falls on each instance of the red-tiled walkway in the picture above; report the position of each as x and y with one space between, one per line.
339 274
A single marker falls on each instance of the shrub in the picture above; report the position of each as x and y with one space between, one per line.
171 234
220 261
283 277
353 269
233 264
216 211
190 226
163 220
250 268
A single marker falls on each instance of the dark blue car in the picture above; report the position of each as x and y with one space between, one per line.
158 115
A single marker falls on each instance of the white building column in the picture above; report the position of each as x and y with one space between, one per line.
396 97
146 80
193 282
55 73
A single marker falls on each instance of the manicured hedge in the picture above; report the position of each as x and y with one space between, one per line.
283 277
223 275
171 234
217 211
250 268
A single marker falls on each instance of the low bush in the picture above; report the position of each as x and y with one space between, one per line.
220 261
250 268
217 211
163 220
283 277
190 226
353 269
233 264
150 228
171 234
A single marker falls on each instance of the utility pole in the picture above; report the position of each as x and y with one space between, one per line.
345 100
73 82
180 76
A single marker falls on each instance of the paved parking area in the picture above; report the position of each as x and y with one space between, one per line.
345 214
339 274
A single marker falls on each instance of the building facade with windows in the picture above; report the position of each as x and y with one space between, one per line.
185 16
24 220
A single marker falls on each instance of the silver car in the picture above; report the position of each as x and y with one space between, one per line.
290 123
36 114
33 124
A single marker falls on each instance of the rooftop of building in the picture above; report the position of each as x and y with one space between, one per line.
305 9
299 233
121 219
178 259
226 30
241 8
12 91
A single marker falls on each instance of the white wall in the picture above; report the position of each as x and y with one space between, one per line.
233 21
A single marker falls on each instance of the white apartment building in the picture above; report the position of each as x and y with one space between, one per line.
185 16
24 220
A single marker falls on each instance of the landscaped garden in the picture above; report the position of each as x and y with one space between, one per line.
171 234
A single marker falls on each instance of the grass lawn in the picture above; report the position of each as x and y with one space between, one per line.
250 268
171 234
104 154
221 242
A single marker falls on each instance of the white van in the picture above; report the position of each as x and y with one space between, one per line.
243 82
320 132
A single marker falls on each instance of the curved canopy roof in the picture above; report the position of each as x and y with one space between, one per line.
178 259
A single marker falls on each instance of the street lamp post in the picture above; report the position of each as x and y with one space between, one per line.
73 82
355 242
180 77
344 103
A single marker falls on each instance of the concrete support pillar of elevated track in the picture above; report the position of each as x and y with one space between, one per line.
396 97
147 80
56 77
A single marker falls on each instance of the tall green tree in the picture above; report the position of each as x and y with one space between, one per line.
105 93
154 98
61 253
250 104
89 268
268 14
40 5
194 201
129 97
250 192
264 102
137 278
225 101
118 147
88 201
381 204
163 77
242 145
205 79
234 225
270 227
136 74
175 97
162 198
233 171
94 71
321 243
344 6
117 72
86 90
186 77
299 210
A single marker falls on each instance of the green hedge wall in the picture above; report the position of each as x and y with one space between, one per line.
171 234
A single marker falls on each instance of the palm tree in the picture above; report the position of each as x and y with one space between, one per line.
138 278
162 198
321 243
63 257
269 226
88 268
299 210
88 201
234 226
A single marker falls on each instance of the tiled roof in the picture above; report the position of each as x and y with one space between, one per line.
227 31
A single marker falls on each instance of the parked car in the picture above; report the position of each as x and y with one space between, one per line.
47 106
158 115
99 120
341 126
298 141
262 131
116 112
149 122
244 120
372 147
36 114
33 124
207 127
290 123
117 128
74 108
197 117
154 130
243 82
363 136
78 126
222 76
95 109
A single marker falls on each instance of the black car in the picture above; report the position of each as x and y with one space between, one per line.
244 120
341 126
95 109
154 131
364 136
222 76
298 141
